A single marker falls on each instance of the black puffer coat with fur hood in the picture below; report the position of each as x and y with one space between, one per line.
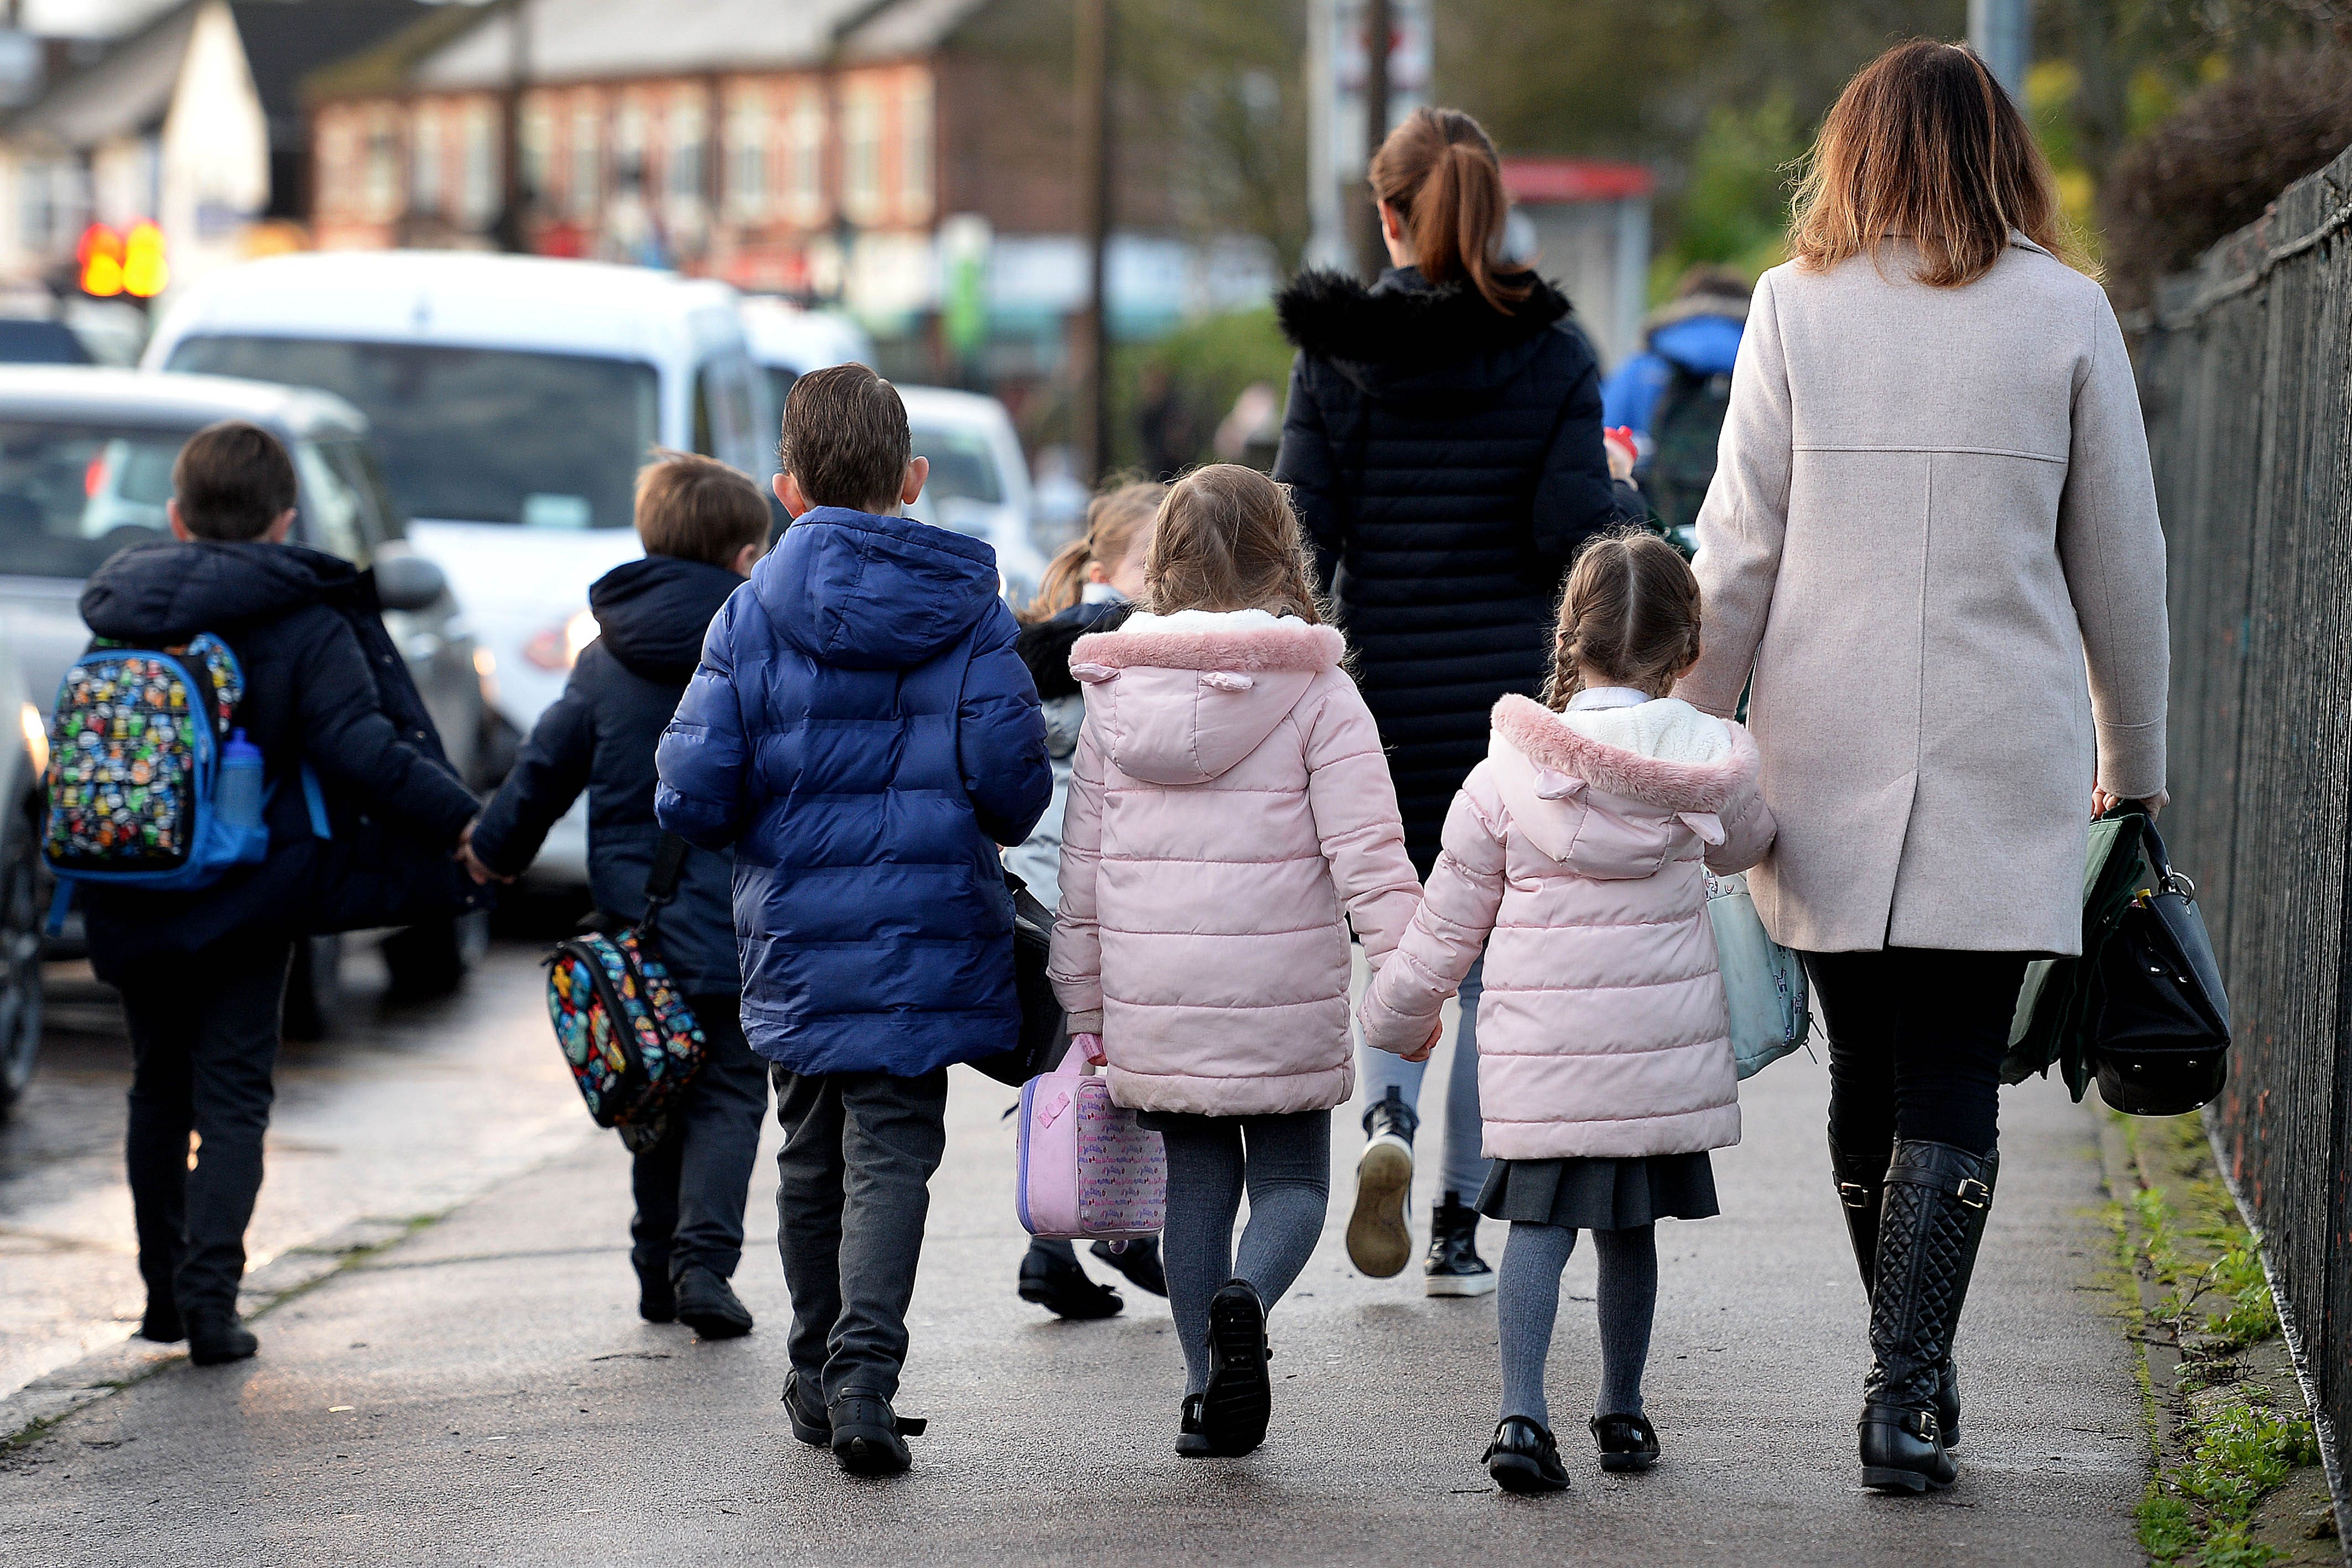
1446 460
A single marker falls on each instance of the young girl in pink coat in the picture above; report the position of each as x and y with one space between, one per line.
1230 816
1576 856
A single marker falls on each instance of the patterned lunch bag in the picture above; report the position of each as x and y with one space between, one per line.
1084 1168
624 1025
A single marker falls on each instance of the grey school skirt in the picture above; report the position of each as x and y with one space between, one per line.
1600 1194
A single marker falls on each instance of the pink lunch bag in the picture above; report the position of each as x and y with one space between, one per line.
1086 1170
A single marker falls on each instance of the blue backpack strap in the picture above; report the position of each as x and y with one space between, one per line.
59 904
314 798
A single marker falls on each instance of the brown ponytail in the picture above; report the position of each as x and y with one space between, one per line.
1114 520
1630 613
1439 171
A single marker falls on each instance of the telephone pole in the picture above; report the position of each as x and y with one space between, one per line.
1093 384
2002 33
1380 26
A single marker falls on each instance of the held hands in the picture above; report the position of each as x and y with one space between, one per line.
1427 1046
2101 802
1090 1048
466 857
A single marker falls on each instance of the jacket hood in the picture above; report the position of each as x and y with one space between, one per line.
1556 780
170 591
1705 345
1045 647
652 614
874 593
1189 696
1403 330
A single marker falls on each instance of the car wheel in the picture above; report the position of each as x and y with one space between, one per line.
314 990
431 959
20 965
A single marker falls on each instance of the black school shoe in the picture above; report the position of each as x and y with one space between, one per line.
1626 1442
1523 1457
1060 1286
217 1337
709 1305
1191 1440
869 1437
1140 1262
1240 1398
656 1298
811 1424
162 1322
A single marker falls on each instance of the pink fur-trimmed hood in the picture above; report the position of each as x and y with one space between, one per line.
1243 649
1545 739
1181 701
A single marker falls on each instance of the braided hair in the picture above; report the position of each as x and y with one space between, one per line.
1630 613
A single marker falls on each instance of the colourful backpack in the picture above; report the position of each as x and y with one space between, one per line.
1084 1167
134 765
625 1030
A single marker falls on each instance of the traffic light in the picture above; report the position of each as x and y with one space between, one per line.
113 264
100 254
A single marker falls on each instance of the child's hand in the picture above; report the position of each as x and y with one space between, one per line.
1436 1031
1090 1048
1619 443
466 857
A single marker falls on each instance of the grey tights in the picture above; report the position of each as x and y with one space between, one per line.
1526 1300
1284 1164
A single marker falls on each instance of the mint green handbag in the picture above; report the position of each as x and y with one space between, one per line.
1763 982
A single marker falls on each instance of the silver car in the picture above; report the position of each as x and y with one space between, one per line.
84 470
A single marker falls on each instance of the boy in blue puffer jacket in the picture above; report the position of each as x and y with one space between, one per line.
863 735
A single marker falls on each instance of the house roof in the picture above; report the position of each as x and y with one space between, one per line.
286 40
573 40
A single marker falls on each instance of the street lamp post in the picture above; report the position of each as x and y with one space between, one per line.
2002 33
1094 106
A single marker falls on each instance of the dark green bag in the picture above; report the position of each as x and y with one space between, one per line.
2058 1008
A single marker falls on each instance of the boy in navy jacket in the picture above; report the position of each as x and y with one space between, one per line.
703 525
863 734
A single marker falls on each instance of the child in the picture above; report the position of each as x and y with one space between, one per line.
1088 587
859 730
1578 844
1229 802
201 972
703 525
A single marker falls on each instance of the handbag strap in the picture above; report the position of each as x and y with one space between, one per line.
2159 863
661 877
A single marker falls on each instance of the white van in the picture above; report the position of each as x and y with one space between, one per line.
513 400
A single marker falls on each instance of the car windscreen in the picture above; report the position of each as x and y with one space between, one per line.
31 342
780 384
478 435
72 494
963 464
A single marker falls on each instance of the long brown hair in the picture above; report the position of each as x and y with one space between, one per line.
1227 539
1630 612
1924 145
1439 171
1116 518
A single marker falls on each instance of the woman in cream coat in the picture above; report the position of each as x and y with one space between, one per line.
1932 543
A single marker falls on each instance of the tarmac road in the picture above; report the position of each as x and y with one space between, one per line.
484 1393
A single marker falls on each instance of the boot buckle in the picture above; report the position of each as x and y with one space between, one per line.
1854 1195
1924 1425
1973 1194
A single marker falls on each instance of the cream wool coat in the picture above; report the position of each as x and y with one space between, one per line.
1932 537
1229 815
1575 856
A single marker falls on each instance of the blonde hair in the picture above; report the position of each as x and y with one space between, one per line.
1439 171
1116 518
1227 539
1924 145
1630 613
698 508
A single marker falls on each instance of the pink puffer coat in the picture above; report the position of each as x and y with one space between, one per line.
1229 802
1602 1032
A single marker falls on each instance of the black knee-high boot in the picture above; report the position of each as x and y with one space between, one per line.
1931 1222
1858 1185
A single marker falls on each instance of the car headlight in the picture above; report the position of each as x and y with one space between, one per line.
36 725
558 648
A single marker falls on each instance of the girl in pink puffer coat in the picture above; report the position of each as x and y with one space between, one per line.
1230 816
1577 856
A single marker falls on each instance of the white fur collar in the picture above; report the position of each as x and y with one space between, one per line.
1549 740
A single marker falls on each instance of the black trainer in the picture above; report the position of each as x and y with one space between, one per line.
1379 1238
1139 1261
709 1305
1060 1286
217 1337
1626 1442
656 1297
1523 1457
1191 1440
869 1437
1455 1268
1240 1398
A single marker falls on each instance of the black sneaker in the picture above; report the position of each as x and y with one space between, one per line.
1455 1268
1191 1441
1139 1261
1060 1286
656 1297
1240 1397
1626 1442
709 1305
1380 1239
1523 1457
869 1437
217 1337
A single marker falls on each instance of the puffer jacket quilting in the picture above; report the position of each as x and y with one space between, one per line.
1230 816
1579 867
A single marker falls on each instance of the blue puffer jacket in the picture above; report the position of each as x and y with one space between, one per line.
859 731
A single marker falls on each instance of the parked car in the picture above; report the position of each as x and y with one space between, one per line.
24 757
85 469
788 343
980 482
513 399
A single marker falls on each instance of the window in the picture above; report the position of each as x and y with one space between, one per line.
689 135
330 507
861 154
914 151
481 196
629 149
383 167
747 156
424 159
964 465
538 148
804 158
480 435
587 161
72 494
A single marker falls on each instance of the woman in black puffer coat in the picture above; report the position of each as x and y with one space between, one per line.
1443 447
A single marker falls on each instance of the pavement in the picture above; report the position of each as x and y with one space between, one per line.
482 1392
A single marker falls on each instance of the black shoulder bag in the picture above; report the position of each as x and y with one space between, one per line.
2162 1044
1043 1030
